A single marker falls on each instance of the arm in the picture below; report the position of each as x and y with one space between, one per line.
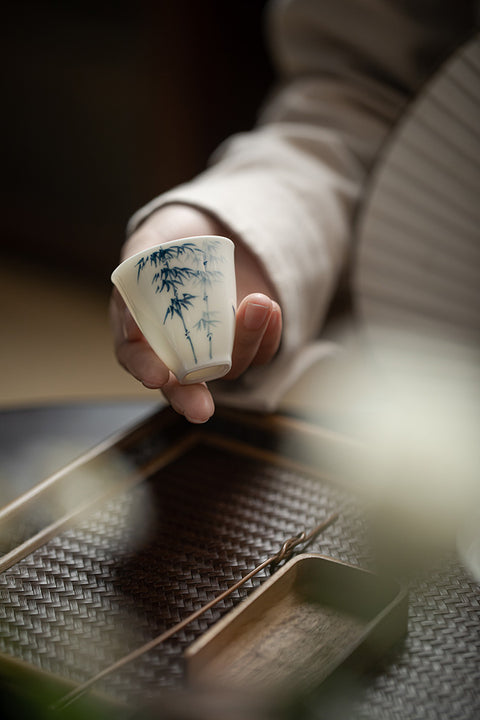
287 191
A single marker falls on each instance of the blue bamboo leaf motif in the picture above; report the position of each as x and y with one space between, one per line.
169 279
207 277
177 304
207 321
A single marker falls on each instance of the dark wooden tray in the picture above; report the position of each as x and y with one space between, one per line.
104 556
131 457
312 616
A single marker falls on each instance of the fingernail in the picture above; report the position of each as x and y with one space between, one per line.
197 421
255 315
202 417
204 412
150 385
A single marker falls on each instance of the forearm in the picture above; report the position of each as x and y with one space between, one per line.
288 190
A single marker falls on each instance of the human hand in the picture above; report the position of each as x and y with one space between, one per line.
258 318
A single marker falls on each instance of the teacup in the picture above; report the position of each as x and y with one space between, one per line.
182 296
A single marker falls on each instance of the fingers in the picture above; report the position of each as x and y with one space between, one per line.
132 350
139 360
257 338
193 401
258 333
136 356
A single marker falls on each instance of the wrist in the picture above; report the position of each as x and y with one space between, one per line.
177 220
171 222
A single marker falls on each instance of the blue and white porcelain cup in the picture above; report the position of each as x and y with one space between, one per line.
182 295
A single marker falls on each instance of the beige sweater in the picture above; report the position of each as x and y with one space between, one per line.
291 186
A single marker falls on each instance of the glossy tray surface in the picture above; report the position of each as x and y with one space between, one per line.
299 626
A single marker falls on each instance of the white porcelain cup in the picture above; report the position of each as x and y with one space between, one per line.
182 295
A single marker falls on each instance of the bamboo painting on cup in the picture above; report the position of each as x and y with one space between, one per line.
182 295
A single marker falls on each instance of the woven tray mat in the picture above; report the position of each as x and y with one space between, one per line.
150 556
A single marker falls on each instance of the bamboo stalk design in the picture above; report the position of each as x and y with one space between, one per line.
170 278
207 276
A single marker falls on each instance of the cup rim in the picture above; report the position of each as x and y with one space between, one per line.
168 243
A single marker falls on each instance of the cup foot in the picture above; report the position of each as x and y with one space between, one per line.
205 373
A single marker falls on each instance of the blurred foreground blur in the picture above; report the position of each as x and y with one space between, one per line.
414 400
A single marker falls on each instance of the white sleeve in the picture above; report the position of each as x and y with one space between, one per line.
289 188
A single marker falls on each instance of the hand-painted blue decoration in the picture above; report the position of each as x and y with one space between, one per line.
170 277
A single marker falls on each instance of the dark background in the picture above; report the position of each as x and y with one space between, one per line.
107 104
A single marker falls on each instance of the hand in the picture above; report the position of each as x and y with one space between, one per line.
258 319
